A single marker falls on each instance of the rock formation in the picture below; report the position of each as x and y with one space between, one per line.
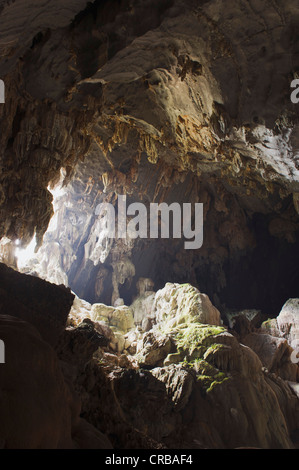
39 408
193 384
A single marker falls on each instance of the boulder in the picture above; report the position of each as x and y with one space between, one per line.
274 354
79 311
288 321
42 304
252 316
179 384
121 318
142 308
182 303
152 349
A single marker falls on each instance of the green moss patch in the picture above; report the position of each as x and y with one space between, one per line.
196 337
207 375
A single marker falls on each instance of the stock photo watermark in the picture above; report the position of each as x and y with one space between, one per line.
2 92
2 352
159 215
295 93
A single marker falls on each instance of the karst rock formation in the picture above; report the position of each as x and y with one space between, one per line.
139 342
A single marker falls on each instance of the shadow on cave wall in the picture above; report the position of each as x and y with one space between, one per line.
265 277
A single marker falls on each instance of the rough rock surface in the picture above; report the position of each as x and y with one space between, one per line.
223 400
38 409
44 305
275 354
176 304
193 385
288 321
188 385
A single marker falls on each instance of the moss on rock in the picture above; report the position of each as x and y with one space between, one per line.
196 337
206 374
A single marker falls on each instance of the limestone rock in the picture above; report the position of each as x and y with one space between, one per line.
174 358
121 318
161 101
152 349
44 411
227 354
270 327
44 305
253 316
77 345
179 384
288 321
142 308
181 303
274 353
144 285
118 342
79 310
132 339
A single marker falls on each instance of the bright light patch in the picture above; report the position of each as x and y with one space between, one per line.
23 255
57 192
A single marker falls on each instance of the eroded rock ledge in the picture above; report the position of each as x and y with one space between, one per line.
177 378
194 382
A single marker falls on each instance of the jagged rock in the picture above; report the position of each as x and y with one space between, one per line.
79 311
176 304
174 358
119 318
253 317
223 351
132 339
77 345
44 305
179 384
104 330
152 349
270 327
288 322
274 353
196 406
142 309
